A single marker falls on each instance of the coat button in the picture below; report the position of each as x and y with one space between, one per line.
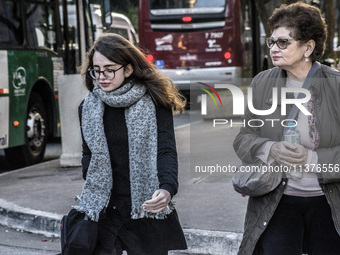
264 223
283 183
114 207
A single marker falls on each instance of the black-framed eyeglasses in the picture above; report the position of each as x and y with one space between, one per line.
281 43
108 73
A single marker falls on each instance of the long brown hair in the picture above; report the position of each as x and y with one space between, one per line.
119 50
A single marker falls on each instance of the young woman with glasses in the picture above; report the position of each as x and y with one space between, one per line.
129 151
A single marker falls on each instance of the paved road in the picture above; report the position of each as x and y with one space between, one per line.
15 242
205 201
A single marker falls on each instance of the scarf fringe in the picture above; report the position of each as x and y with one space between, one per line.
140 213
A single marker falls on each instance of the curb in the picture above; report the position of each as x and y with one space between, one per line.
30 220
207 242
201 242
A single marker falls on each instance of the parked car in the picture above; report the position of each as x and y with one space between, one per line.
122 25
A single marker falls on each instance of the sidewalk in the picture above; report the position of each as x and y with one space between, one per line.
211 212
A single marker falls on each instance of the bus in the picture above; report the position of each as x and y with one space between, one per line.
39 40
209 41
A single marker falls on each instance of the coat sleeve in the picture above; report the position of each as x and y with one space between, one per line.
328 166
167 162
328 114
250 139
86 153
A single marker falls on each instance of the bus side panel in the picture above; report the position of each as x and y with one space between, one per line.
21 70
238 44
25 67
45 66
4 101
142 17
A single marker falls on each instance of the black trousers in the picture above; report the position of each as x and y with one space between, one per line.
144 236
300 225
118 250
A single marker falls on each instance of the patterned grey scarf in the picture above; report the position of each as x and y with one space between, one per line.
140 116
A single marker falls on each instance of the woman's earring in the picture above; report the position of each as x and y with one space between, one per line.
307 59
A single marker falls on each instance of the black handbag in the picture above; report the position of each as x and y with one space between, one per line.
78 234
256 179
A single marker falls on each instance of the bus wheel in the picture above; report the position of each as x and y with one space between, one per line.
33 151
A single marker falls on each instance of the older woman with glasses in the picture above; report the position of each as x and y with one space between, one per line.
129 151
302 213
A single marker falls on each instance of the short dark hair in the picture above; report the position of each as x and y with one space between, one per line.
306 23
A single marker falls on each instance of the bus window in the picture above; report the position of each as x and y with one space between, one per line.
70 37
171 4
208 4
41 26
10 19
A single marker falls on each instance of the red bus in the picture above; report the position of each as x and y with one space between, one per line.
207 41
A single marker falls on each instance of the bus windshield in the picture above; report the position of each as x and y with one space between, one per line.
40 24
186 4
10 20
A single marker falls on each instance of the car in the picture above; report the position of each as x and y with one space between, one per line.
120 25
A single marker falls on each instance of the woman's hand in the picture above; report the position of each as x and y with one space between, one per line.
289 154
160 199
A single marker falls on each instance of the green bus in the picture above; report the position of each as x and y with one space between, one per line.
39 40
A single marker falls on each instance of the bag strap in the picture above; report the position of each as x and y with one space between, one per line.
306 85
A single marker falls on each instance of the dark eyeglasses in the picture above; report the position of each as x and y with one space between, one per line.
281 43
108 73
